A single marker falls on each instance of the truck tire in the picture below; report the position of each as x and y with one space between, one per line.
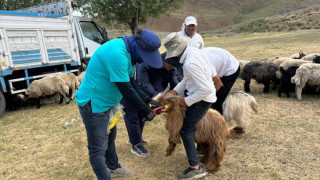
2 104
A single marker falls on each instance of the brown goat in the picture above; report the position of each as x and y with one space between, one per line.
210 134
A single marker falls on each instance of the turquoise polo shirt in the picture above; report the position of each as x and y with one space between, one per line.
110 63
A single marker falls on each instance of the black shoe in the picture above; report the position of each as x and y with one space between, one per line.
139 150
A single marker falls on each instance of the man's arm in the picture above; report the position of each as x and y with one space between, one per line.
144 80
217 82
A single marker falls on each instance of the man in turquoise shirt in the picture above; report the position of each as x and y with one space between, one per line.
108 78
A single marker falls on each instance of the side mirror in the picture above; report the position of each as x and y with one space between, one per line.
104 35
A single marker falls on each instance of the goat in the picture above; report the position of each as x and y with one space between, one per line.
210 134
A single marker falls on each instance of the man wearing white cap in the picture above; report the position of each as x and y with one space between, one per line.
189 28
200 96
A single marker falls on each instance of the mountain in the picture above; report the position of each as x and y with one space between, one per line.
242 15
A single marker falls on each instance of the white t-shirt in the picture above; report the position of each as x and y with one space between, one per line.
196 77
196 40
222 63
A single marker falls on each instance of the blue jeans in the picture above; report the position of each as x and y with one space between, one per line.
193 114
101 145
133 120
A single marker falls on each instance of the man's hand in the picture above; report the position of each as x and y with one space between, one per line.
153 104
182 102
148 114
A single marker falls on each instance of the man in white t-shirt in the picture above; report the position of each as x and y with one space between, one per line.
201 94
189 30
225 70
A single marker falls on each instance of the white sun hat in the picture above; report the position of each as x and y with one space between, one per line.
175 44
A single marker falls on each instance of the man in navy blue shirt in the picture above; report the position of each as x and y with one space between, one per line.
153 81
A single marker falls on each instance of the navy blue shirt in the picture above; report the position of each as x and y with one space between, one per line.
153 81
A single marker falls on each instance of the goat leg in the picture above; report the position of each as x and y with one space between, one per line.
170 148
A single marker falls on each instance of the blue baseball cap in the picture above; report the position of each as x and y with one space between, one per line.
148 48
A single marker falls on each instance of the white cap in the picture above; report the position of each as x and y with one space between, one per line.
190 20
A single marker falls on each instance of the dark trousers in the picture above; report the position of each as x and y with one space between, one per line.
193 114
133 120
223 92
101 145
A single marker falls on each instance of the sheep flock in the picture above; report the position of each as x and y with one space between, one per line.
300 71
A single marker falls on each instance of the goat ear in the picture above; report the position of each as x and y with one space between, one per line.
171 97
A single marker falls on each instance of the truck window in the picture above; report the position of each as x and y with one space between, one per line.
91 31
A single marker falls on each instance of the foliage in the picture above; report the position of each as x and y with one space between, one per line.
19 4
130 12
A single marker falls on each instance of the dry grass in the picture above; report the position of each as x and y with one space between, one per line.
283 141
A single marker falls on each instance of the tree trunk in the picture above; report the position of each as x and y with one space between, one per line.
134 21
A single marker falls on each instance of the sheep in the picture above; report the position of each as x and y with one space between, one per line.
316 60
310 57
298 55
238 106
242 64
290 63
71 81
280 60
272 59
80 76
308 73
262 71
285 80
49 85
210 134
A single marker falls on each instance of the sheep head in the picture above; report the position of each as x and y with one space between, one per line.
33 90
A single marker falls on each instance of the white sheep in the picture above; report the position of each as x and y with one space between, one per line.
80 76
308 73
280 60
290 63
47 86
310 57
272 59
239 106
298 55
71 81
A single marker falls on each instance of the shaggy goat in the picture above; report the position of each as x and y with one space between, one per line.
262 71
210 134
242 64
238 106
47 86
308 73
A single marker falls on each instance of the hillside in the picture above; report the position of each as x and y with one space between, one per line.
217 14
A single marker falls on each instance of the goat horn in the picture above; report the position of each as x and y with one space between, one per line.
170 97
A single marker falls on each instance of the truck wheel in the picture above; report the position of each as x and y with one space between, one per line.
2 104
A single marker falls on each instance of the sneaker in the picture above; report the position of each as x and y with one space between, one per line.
120 172
192 173
145 143
139 150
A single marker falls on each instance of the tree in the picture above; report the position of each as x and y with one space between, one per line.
19 4
129 12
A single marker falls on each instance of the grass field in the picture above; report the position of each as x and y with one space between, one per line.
283 141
